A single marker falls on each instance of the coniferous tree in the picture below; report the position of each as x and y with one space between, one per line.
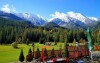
66 49
45 52
38 55
30 51
27 41
29 57
0 37
19 31
33 49
21 57
53 53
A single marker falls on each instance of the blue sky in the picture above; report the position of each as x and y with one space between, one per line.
47 7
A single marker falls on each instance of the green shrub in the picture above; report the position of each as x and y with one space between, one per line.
14 44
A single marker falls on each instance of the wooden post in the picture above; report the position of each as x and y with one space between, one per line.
33 50
43 55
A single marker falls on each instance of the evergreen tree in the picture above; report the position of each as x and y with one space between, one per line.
45 52
33 49
66 50
53 53
60 52
38 55
61 38
22 32
24 37
0 37
33 44
27 41
21 57
74 41
29 57
30 51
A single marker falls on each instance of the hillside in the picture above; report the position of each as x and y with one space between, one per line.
23 31
51 25
70 20
14 23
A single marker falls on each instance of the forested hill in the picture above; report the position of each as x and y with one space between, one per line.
10 29
23 32
14 23
51 25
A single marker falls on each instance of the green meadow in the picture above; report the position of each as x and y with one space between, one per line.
10 54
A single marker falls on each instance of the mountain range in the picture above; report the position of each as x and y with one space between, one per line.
70 20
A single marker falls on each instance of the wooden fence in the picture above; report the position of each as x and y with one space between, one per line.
74 52
96 48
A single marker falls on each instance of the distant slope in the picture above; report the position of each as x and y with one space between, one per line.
73 20
9 16
70 20
95 25
14 23
34 19
37 20
51 25
70 24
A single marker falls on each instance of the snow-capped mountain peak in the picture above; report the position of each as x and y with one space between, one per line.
78 16
94 18
61 16
34 19
26 15
67 20
71 16
41 17
72 19
75 15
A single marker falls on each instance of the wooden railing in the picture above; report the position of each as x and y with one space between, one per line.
74 52
96 48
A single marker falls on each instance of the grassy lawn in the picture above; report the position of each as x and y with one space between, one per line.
9 54
56 47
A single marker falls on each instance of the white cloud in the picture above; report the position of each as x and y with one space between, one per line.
93 18
7 8
58 15
69 16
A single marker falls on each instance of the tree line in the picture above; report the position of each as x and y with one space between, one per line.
24 32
